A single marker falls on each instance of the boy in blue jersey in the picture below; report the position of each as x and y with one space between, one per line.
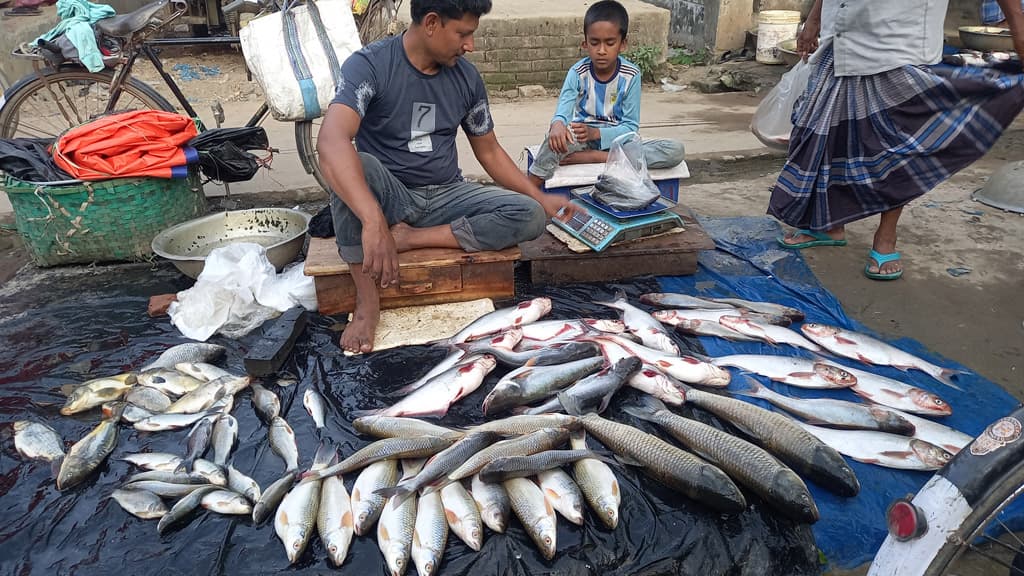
600 101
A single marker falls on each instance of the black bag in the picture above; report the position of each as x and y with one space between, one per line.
223 152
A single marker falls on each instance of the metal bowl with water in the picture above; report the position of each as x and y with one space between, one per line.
281 231
986 38
788 53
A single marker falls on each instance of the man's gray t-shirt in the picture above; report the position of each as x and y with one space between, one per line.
410 119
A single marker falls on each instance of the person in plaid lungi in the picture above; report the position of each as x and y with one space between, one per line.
879 125
992 14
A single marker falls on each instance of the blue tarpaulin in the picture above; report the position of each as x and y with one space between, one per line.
749 264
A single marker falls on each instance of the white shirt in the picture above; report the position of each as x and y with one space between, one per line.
874 36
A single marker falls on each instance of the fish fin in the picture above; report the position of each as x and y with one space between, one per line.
627 460
451 517
364 413
866 360
796 375
184 466
551 494
946 377
55 465
896 453
398 493
570 404
844 340
754 389
439 413
645 408
605 401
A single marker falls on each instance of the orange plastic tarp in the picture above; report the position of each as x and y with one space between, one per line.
128 144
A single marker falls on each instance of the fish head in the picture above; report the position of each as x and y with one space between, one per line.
608 509
544 535
787 487
76 401
667 316
666 387
611 326
508 339
505 394
891 421
397 557
819 330
485 364
835 374
540 306
930 454
717 377
733 321
295 539
929 402
493 517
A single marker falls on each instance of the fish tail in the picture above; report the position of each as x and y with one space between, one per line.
640 410
754 389
569 403
185 466
945 375
397 493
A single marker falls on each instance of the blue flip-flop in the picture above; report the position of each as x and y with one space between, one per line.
820 239
881 259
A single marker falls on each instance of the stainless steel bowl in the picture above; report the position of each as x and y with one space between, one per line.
281 231
788 53
986 38
1004 189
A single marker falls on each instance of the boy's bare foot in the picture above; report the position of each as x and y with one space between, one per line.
586 157
359 334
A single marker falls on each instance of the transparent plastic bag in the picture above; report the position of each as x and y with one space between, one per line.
773 120
625 183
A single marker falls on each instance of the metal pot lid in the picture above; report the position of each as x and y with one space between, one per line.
1004 189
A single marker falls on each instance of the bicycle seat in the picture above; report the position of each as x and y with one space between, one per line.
125 25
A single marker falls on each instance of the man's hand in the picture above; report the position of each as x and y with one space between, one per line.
807 39
558 207
559 137
380 256
584 133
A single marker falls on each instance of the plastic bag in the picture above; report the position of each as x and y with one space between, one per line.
773 120
223 152
625 183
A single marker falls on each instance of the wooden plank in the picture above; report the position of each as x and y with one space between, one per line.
322 257
336 294
611 268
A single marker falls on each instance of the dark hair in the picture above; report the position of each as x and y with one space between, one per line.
607 11
448 9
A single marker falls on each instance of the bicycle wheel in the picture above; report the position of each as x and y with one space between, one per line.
379 21
305 144
971 549
70 96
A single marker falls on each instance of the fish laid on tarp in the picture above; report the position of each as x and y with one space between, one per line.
593 393
266 404
295 519
201 398
769 333
455 356
883 449
388 448
873 351
243 484
334 520
674 300
792 370
400 427
190 352
463 515
685 368
166 489
37 441
550 355
442 463
679 317
785 439
834 413
282 442
313 402
561 491
697 327
746 463
641 323
430 534
198 441
492 500
501 469
214 474
170 477
950 440
225 432
147 398
397 525
535 513
769 308
88 453
896 394
366 503
154 460
673 467
539 441
531 383
170 382
546 332
201 370
140 503
520 424
435 397
271 498
95 392
652 381
597 482
518 315
226 502
184 507
169 421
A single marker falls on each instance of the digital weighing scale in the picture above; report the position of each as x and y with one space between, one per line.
599 225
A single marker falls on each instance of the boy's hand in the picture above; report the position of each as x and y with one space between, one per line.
558 207
559 137
584 133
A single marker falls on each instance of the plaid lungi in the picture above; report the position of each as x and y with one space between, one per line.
862 145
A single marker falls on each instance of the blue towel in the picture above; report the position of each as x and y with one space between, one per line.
76 20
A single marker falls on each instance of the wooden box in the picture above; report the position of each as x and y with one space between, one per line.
427 276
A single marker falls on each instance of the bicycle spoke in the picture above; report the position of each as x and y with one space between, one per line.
1010 532
980 552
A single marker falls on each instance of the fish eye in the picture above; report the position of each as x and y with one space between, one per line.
333 549
547 539
939 402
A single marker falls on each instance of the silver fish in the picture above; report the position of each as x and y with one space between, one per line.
639 322
314 404
271 498
147 398
505 341
531 383
652 381
768 332
169 477
492 500
190 352
201 370
95 392
535 513
234 384
166 489
282 442
131 414
37 441
524 424
463 515
226 502
140 503
562 330
169 382
835 413
418 447
539 441
366 503
597 482
169 421
873 351
198 441
883 449
442 463
162 461
430 535
562 493
896 394
763 307
88 453
793 370
501 469
243 484
400 427
225 432
523 313
397 525
943 436
334 519
184 507
549 355
295 519
674 300
266 403
687 368
593 393
454 357
213 473
692 320
200 399
435 397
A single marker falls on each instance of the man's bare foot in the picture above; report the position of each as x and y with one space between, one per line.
400 232
885 247
798 238
359 334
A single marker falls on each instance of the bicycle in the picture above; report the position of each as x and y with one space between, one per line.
953 525
57 97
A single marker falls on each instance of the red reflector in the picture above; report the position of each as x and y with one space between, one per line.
905 521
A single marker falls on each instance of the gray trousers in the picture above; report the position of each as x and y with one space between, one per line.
482 217
658 153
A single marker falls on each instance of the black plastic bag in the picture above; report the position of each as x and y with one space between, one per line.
29 160
223 152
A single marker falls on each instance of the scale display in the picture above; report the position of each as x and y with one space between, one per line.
599 230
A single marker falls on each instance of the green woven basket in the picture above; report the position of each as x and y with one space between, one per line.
109 220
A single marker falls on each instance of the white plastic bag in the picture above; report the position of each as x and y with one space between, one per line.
773 120
625 183
298 76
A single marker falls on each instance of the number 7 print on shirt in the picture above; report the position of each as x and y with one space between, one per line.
424 115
